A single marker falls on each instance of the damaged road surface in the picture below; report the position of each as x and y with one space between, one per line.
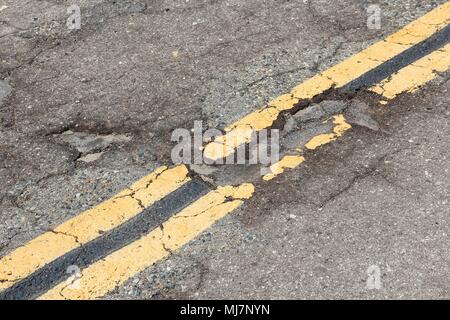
93 206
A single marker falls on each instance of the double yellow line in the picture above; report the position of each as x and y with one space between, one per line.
105 274
90 224
407 80
181 228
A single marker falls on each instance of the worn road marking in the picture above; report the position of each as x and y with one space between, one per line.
406 58
122 236
340 127
287 162
104 275
55 272
418 73
90 224
411 43
293 161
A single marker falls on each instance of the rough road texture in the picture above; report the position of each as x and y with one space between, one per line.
373 198
139 69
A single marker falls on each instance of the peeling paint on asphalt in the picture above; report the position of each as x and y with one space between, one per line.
390 52
339 129
287 162
358 72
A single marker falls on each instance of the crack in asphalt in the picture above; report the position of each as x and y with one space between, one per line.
66 234
371 170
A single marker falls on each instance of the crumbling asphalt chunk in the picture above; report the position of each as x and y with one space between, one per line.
299 128
90 145
359 114
314 117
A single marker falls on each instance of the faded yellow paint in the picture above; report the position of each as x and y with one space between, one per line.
423 27
241 132
312 87
375 55
339 129
287 162
341 125
293 161
90 224
412 77
320 140
104 275
338 76
284 102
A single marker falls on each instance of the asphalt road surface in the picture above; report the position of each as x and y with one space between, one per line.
85 113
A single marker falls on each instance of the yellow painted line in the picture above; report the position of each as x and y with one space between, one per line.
90 224
104 275
338 76
412 77
287 162
293 161
339 129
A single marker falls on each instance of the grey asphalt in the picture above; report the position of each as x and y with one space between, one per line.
139 69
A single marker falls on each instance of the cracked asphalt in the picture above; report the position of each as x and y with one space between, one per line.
84 114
